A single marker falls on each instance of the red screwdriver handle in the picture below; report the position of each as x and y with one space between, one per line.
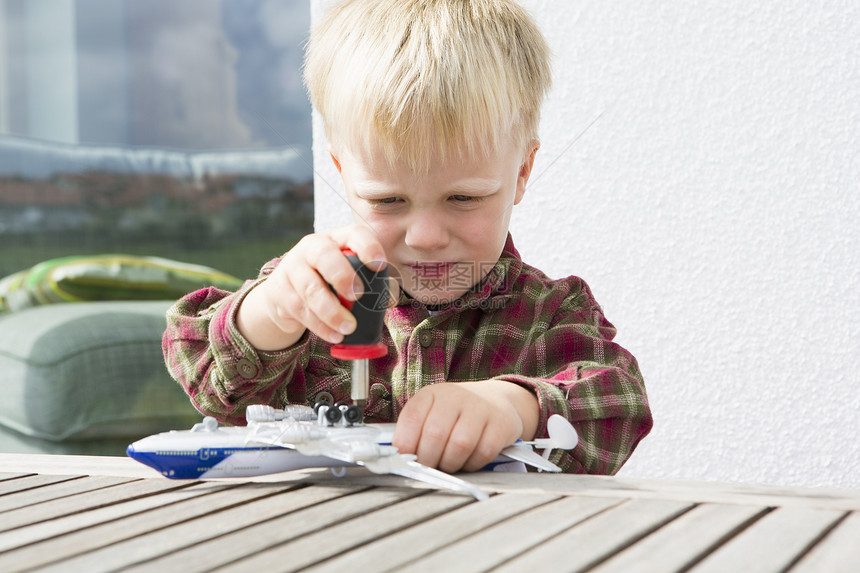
369 312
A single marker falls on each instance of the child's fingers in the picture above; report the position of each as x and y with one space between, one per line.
310 301
323 314
494 438
435 433
319 257
454 427
324 253
410 422
363 242
435 426
298 294
462 442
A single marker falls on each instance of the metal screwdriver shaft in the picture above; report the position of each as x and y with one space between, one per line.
366 341
360 382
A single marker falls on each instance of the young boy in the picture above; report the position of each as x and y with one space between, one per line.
431 108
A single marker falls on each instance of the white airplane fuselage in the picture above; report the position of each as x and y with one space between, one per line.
223 452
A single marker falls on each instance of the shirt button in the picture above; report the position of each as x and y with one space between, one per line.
425 338
246 368
324 397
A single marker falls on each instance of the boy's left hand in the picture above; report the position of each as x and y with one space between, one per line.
464 425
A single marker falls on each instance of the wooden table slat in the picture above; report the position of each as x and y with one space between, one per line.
13 475
210 532
211 539
318 519
44 530
88 501
49 464
773 542
683 540
340 538
681 490
32 482
404 546
30 498
309 548
57 549
838 552
597 538
497 544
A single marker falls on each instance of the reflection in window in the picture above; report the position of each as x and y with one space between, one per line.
195 74
177 129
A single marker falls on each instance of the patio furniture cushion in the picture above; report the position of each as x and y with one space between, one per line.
88 371
107 277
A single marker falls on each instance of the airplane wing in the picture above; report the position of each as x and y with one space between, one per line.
359 447
385 459
524 453
406 466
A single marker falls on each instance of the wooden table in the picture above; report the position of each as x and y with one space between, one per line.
80 513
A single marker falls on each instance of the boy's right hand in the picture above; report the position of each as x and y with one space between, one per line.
296 296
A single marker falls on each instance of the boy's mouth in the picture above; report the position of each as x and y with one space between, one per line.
431 270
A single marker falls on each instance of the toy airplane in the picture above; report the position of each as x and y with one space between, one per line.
301 437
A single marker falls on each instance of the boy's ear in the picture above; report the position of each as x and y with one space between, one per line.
334 158
526 170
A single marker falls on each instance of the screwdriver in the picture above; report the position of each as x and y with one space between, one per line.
366 341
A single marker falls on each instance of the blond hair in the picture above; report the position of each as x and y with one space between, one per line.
425 77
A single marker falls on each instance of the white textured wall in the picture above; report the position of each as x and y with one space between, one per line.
713 208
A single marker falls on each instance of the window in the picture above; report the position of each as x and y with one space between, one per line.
177 129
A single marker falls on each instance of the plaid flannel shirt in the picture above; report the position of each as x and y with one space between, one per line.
516 324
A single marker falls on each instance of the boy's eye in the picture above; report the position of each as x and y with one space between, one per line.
462 198
383 201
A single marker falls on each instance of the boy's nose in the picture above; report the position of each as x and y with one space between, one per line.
427 232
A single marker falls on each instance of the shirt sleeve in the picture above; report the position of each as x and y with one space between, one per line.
591 381
218 368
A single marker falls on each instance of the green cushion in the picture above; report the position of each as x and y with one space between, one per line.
107 277
88 371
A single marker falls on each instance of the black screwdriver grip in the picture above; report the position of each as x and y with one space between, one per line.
369 310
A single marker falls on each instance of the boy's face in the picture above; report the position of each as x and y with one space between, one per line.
444 230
